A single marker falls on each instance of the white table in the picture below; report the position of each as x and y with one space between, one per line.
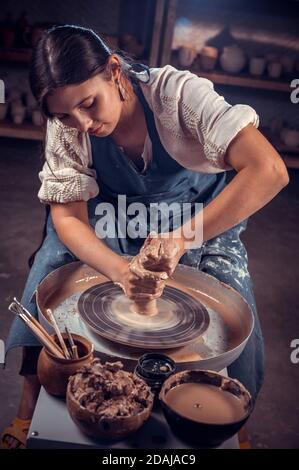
52 427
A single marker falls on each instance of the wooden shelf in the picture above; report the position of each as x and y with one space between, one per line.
245 81
16 55
26 130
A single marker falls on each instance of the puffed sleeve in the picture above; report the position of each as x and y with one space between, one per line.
211 119
66 175
195 123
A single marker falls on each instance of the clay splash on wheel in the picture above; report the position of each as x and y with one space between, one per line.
181 319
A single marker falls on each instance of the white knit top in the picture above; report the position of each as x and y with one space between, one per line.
195 125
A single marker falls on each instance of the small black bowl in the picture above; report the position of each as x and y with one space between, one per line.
197 433
154 369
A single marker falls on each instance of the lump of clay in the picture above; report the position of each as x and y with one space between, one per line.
109 391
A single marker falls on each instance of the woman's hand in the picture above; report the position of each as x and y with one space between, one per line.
162 252
145 275
139 283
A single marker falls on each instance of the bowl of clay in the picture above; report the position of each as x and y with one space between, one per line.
204 408
106 402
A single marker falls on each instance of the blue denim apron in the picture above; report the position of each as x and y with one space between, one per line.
224 257
163 180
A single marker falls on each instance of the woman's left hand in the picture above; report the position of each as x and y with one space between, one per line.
161 252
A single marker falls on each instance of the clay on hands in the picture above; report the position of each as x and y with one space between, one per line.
158 257
142 286
161 253
149 270
145 303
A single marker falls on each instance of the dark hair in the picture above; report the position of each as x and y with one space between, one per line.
67 55
70 54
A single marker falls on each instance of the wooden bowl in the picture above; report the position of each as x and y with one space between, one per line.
98 427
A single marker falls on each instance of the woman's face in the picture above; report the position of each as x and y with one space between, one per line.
93 106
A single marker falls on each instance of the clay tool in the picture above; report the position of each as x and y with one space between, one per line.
57 331
26 312
38 332
72 344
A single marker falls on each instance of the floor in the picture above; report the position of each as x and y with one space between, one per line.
272 242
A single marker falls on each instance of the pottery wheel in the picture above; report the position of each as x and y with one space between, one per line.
231 318
181 319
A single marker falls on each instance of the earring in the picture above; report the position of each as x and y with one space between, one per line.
121 90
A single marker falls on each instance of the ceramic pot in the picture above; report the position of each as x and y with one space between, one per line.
274 69
208 58
187 55
18 118
37 118
257 65
53 372
18 113
232 59
3 110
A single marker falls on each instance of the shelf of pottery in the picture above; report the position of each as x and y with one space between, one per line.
19 115
230 66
